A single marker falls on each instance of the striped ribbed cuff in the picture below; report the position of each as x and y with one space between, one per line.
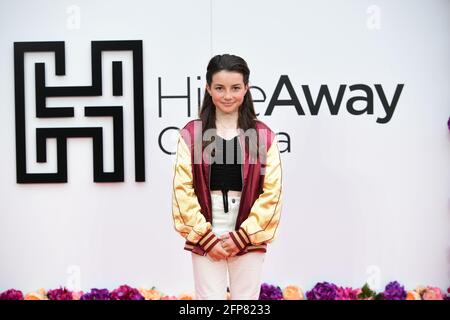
208 241
240 238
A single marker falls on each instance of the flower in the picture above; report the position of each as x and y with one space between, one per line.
432 293
11 294
96 294
448 294
347 293
394 291
186 296
323 291
38 295
413 295
77 295
60 294
448 123
270 292
126 292
293 293
150 294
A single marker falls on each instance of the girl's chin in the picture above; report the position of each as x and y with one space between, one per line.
228 111
229 107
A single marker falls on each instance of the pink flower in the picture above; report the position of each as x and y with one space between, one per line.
347 293
432 293
11 294
77 295
60 294
126 292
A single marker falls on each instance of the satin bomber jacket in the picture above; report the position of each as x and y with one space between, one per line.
261 196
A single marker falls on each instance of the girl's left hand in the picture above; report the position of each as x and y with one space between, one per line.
229 245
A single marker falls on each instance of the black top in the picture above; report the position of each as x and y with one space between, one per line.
226 171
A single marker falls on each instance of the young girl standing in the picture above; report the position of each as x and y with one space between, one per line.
227 190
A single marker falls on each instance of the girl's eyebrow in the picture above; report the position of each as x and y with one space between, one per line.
233 85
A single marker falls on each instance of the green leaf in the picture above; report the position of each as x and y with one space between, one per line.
379 296
367 291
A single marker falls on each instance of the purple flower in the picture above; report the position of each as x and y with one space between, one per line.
448 123
60 294
96 294
11 294
323 291
270 292
394 291
126 293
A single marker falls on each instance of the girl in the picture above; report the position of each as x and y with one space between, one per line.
227 186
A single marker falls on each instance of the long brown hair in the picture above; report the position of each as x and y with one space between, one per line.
247 115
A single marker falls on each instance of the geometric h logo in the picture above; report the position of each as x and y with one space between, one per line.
96 133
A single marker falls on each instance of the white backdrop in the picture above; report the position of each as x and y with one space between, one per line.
363 201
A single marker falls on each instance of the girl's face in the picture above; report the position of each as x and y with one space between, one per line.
227 91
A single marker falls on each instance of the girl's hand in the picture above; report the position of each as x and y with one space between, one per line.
218 253
229 245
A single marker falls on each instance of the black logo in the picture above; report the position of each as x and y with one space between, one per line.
96 133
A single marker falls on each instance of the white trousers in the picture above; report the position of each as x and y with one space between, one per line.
224 222
242 274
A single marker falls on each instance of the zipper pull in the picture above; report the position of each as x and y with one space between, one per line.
225 200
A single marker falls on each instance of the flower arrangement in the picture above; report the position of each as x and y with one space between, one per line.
60 294
270 292
293 293
321 291
126 292
428 293
96 294
11 294
348 293
37 295
394 291
151 294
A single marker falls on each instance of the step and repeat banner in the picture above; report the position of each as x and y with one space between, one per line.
93 94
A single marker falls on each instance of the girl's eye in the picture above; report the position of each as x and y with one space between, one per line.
236 88
219 88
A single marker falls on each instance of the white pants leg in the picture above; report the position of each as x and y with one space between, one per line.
245 275
211 277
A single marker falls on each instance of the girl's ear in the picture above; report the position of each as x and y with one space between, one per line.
208 89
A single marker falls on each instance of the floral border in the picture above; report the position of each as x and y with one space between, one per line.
321 291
